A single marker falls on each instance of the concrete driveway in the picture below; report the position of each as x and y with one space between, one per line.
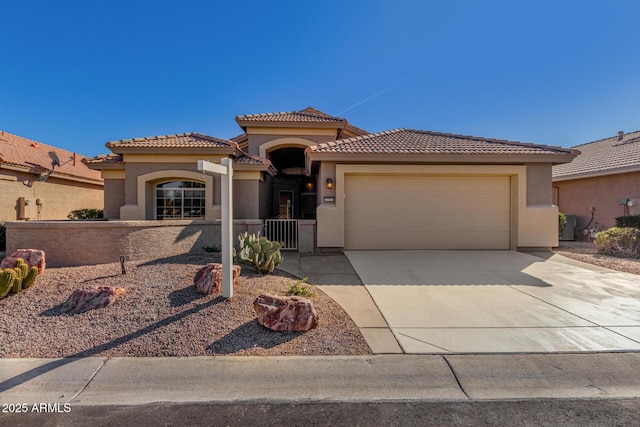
489 301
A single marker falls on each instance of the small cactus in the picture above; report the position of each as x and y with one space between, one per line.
30 278
17 283
7 277
23 266
17 278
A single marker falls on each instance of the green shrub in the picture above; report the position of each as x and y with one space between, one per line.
86 214
620 242
562 221
301 289
628 221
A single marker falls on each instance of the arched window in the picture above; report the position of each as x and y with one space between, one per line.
180 200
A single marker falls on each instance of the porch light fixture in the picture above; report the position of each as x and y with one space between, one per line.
309 186
329 183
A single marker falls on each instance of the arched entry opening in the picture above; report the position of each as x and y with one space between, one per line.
293 192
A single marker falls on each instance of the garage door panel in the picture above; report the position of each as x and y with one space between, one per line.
427 212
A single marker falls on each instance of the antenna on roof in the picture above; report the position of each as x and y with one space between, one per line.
55 160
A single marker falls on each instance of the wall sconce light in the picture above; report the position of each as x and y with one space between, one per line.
309 186
329 183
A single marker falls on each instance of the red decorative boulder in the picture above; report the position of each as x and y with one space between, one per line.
208 279
84 300
285 313
32 257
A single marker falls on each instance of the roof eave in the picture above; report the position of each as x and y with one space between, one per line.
617 171
55 174
440 158
175 150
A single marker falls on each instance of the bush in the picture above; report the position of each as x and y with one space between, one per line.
628 221
86 214
562 221
620 242
301 289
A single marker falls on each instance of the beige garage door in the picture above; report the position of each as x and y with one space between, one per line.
426 212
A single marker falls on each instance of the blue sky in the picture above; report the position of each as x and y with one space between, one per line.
76 74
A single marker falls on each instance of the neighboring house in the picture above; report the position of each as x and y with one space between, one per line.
399 189
601 183
32 188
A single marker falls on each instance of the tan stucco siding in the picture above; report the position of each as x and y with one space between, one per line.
578 196
270 142
246 199
539 184
113 197
58 197
534 226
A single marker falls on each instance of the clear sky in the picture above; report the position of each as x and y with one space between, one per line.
76 74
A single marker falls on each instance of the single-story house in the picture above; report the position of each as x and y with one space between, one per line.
32 187
600 184
398 189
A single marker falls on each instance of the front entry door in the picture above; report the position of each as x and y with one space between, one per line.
285 205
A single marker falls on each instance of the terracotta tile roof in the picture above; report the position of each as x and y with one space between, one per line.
308 115
409 141
605 156
34 156
184 140
104 159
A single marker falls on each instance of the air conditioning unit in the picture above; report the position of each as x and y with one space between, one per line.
569 229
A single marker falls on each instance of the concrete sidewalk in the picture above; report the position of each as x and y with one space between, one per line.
135 381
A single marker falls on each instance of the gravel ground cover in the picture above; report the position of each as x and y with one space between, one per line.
161 314
586 252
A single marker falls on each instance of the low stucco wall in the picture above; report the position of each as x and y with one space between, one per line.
73 243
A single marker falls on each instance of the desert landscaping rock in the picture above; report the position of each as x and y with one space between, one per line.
90 299
293 314
32 257
162 314
208 280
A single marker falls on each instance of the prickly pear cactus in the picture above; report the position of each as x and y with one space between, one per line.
261 252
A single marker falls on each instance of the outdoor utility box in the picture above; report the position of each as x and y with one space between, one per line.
27 208
569 229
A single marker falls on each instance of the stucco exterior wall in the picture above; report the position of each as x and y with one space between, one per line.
73 243
289 139
532 226
539 184
136 194
58 197
246 195
113 197
578 196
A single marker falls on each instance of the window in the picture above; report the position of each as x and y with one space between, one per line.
180 200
